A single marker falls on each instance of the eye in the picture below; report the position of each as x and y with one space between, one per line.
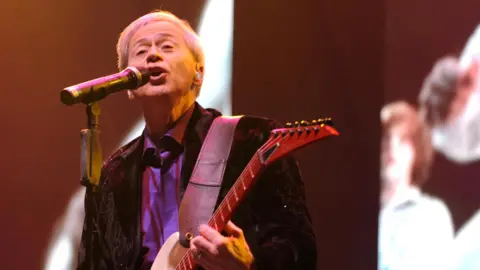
140 52
167 47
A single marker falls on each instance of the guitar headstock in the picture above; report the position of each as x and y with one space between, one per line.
295 135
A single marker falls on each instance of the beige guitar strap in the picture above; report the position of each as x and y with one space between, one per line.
202 191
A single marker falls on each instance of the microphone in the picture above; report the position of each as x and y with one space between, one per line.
87 92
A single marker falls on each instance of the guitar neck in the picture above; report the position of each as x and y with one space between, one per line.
236 194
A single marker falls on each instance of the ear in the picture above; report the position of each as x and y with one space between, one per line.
198 79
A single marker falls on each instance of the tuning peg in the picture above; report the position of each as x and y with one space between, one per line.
296 124
288 125
304 123
328 121
314 122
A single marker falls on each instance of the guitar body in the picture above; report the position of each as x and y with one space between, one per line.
170 254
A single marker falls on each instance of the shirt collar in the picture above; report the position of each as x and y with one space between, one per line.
402 196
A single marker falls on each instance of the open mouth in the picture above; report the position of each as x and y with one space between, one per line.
157 75
156 71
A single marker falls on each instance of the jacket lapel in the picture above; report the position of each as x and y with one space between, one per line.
127 203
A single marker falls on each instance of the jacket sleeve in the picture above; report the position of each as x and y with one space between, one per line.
285 235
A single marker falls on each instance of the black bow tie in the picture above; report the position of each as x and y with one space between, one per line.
151 159
151 156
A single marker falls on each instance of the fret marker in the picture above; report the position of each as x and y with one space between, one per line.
244 187
251 173
228 204
235 193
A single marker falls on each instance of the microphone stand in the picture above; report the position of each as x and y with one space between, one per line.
91 150
90 168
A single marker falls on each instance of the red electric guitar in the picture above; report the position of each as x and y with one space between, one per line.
281 142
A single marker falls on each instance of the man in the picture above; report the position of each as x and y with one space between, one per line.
415 229
136 207
217 24
450 102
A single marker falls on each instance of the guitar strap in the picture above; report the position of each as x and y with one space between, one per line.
202 191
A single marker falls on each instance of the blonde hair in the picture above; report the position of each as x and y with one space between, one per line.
191 38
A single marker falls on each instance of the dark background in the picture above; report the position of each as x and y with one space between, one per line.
292 60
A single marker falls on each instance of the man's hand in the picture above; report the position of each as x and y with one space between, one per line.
214 251
446 90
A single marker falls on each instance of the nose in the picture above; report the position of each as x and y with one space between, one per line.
153 56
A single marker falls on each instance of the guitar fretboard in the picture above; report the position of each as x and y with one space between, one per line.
236 194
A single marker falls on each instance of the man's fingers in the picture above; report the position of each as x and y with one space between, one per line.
212 235
202 246
205 253
206 261
233 230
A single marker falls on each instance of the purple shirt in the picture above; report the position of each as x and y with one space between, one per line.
160 196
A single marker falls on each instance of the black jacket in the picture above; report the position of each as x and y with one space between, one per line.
273 217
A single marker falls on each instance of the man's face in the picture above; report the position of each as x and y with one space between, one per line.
160 47
396 158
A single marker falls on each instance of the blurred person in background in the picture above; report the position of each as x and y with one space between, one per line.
415 229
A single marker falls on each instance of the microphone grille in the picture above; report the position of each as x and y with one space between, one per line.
142 75
68 97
